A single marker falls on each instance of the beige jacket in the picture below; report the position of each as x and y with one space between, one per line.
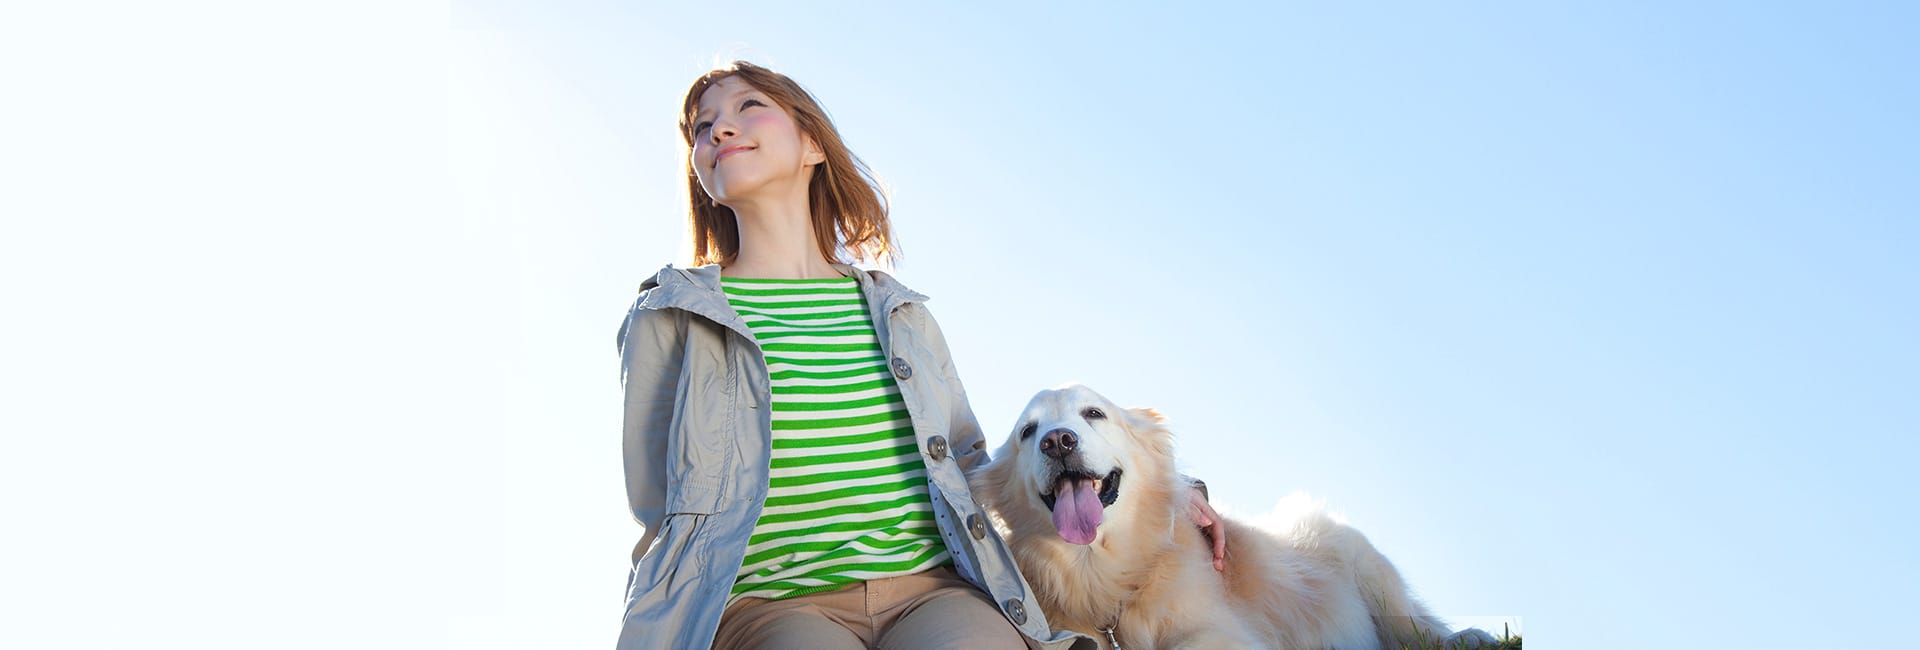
697 446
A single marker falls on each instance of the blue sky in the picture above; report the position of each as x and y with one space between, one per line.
1597 319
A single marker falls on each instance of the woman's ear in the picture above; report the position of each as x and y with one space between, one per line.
813 155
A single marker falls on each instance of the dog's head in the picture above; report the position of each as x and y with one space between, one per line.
1078 460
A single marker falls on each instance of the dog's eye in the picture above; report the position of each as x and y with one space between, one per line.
1027 431
1093 414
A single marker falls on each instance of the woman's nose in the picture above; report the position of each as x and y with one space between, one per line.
722 130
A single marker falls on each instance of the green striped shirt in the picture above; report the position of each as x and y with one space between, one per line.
847 495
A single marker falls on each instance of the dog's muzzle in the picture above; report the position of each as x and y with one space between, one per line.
1107 488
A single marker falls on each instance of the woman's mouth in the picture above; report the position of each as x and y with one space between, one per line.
728 152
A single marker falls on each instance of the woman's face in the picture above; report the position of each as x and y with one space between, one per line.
746 146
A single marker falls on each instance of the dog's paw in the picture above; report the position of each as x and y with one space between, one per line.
1472 637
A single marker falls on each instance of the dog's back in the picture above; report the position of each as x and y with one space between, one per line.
1094 509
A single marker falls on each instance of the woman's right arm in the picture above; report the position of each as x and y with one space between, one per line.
651 345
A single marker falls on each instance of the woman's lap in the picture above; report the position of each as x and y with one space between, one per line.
932 609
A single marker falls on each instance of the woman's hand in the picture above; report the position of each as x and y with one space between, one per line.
1209 522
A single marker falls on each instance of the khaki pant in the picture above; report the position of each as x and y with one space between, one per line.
930 609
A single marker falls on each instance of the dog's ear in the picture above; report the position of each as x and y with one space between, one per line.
1149 427
987 480
1147 415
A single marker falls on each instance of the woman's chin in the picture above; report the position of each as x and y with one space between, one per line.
737 191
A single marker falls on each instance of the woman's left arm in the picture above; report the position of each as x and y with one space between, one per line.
965 440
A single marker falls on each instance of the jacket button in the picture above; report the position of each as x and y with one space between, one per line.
977 526
937 448
901 370
1016 612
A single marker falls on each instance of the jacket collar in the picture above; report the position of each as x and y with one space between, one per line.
697 290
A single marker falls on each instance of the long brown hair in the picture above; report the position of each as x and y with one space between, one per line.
848 206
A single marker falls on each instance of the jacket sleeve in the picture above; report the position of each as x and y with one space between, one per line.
964 438
650 344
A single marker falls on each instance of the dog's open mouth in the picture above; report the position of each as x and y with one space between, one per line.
1077 503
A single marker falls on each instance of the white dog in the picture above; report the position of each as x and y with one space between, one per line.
1090 500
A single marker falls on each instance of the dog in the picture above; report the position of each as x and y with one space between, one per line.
1089 499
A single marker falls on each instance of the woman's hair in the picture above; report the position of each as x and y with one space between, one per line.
848 206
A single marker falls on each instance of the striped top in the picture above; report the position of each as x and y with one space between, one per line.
847 495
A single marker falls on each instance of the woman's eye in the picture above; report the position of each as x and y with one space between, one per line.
750 102
697 128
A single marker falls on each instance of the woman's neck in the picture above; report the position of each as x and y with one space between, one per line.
777 242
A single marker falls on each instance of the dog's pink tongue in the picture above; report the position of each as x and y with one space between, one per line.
1076 510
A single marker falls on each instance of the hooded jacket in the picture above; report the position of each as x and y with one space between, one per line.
697 441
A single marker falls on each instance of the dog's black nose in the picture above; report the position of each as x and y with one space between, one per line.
1058 443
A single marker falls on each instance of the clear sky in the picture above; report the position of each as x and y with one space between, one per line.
1598 319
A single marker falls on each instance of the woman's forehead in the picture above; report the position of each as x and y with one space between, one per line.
724 89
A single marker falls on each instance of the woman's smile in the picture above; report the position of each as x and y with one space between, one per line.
729 151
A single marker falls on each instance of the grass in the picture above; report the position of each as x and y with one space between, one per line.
1507 641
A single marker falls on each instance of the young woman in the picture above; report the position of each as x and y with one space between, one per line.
796 439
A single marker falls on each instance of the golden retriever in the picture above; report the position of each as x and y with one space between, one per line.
1089 498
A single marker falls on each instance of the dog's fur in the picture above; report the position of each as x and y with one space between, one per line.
1148 570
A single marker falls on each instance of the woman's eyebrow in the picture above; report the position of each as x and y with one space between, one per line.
734 96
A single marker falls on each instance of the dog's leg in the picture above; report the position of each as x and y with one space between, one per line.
1470 638
1399 619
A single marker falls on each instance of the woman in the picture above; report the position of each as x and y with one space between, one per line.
795 435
